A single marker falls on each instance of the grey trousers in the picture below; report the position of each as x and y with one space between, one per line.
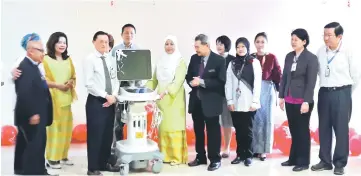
334 112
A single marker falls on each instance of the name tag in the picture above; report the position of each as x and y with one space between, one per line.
294 66
211 70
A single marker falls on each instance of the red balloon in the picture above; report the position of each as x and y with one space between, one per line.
191 138
351 132
233 145
8 135
316 136
283 139
355 145
285 123
79 134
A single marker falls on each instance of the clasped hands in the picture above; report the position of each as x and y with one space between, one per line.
66 86
110 100
195 82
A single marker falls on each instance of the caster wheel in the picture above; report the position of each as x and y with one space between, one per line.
157 166
124 169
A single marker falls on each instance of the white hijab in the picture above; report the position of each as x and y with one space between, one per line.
168 64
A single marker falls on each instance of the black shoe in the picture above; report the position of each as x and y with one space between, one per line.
225 155
110 168
300 168
196 162
339 171
287 163
321 166
214 166
94 173
237 160
18 172
248 162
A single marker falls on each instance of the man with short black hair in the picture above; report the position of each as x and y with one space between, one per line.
128 34
339 76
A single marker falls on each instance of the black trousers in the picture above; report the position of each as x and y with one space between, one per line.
100 123
118 125
30 149
243 124
299 125
19 150
334 112
213 134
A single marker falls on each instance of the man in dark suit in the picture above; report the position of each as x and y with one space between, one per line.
33 112
206 75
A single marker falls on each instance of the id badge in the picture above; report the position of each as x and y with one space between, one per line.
327 72
112 73
238 93
294 66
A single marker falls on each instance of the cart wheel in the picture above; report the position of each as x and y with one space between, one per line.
157 166
124 169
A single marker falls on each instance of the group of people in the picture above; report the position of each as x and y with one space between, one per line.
229 91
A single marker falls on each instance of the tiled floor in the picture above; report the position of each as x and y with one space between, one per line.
270 167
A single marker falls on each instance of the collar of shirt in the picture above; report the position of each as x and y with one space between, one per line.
130 46
205 58
32 61
225 54
98 54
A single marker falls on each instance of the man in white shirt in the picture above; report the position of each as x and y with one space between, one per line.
339 75
102 85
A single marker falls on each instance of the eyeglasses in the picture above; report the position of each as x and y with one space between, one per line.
41 50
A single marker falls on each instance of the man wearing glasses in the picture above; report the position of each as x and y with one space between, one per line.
33 111
339 75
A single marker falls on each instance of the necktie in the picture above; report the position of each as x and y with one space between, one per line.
201 68
108 83
200 73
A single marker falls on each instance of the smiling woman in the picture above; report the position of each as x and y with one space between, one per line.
60 76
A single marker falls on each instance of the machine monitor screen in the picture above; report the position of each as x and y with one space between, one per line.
134 65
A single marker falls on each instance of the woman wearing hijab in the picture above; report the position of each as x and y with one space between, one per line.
271 77
243 89
168 79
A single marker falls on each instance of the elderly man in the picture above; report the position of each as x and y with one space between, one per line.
102 85
33 111
206 76
339 75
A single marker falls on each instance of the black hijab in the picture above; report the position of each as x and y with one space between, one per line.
239 61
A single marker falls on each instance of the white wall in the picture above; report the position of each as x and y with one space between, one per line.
80 19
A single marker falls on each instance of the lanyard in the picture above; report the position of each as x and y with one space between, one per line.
295 59
331 59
